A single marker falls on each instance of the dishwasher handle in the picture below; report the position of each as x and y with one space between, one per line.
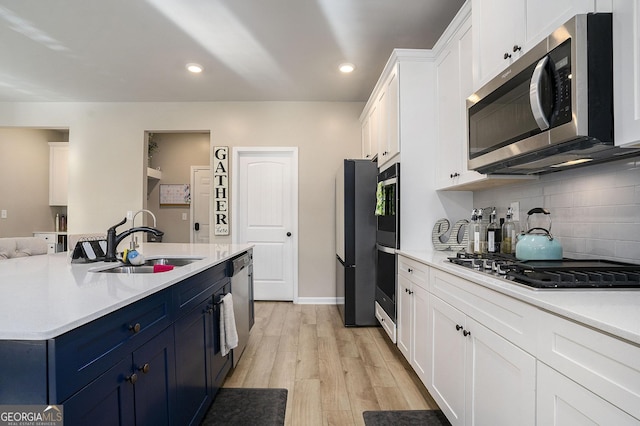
238 264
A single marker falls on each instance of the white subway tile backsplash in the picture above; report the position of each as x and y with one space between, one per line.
618 196
628 251
559 200
595 209
600 248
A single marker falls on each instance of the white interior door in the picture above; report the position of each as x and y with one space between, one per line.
265 213
200 203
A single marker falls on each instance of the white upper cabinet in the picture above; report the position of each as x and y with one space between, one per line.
454 83
497 28
58 173
626 72
504 29
370 135
398 91
388 131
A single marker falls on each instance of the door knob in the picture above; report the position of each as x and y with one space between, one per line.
288 234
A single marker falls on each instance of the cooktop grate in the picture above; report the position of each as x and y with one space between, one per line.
555 274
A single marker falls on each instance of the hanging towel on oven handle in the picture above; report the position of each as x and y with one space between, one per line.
380 200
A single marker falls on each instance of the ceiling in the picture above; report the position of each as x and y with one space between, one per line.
251 50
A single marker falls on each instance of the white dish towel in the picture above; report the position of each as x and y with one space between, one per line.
228 332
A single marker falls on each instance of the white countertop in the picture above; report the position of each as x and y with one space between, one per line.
616 312
45 296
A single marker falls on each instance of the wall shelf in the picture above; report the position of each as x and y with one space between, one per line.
153 174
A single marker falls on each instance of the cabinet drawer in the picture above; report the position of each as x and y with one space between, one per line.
50 237
560 400
416 272
386 322
512 319
194 290
605 365
86 352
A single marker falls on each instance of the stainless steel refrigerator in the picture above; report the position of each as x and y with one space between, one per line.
356 242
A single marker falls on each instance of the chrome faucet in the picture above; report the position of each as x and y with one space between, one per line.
114 239
134 243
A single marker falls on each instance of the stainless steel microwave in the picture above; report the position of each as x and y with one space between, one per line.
553 107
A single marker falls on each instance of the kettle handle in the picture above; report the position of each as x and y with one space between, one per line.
538 210
541 229
543 211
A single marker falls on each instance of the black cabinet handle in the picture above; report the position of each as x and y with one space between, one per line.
507 55
458 327
288 234
466 333
516 48
196 226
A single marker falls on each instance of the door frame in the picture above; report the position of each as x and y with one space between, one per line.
193 183
293 151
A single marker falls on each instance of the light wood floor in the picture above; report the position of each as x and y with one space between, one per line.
332 373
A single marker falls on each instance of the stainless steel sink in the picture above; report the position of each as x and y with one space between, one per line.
175 261
129 269
147 267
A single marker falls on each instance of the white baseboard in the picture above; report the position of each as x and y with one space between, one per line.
319 300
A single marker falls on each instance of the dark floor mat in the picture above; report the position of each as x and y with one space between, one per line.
241 406
405 418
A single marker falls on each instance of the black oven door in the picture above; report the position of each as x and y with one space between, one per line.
386 280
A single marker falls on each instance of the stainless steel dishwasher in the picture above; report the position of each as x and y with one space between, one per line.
240 270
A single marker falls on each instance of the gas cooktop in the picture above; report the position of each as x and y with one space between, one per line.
555 274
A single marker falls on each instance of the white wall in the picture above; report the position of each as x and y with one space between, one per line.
107 159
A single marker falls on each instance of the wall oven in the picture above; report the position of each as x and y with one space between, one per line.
387 239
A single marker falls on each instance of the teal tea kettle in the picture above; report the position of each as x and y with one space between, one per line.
538 243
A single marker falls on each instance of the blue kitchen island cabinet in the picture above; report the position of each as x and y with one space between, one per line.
201 368
155 361
140 389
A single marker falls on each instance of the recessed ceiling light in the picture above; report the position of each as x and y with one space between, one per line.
346 68
194 68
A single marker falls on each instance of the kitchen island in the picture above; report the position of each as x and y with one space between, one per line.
115 347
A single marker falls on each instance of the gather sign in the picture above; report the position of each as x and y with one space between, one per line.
221 190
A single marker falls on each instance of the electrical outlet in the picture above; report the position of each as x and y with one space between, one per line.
3 214
184 216
129 214
515 210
